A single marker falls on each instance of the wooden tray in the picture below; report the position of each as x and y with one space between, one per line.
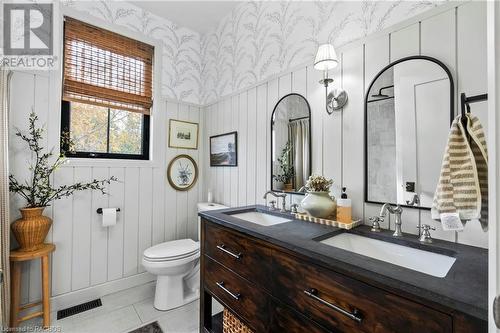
331 222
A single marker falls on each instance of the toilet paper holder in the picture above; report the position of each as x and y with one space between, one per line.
99 210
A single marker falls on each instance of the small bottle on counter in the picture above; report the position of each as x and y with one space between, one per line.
344 208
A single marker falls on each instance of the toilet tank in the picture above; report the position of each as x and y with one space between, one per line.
204 206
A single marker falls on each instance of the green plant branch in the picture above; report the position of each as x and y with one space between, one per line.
38 190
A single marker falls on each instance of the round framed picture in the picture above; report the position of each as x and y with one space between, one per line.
182 172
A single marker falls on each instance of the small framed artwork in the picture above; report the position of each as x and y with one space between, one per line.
224 150
182 134
182 172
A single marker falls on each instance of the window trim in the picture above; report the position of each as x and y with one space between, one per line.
65 127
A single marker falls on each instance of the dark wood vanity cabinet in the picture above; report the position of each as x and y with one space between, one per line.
273 290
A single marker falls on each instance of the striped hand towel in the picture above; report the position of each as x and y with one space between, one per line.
463 182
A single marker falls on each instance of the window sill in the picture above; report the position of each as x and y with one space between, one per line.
108 162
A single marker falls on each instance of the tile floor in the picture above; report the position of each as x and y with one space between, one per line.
125 311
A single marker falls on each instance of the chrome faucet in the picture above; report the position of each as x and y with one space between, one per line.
397 211
415 200
426 233
276 195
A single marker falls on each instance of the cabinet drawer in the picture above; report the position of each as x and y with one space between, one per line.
344 304
249 258
287 320
243 298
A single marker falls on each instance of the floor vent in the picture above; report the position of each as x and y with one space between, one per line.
78 308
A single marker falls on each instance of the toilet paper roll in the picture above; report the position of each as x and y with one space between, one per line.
108 217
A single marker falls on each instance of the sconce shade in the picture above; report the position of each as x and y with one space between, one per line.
326 58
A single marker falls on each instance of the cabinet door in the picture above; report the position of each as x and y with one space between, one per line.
340 303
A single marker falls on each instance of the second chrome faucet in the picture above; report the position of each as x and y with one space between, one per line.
277 195
387 208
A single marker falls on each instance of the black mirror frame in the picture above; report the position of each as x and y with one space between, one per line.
310 140
367 94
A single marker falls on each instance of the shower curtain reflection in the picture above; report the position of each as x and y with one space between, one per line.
298 136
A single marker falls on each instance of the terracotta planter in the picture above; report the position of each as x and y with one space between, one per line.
31 229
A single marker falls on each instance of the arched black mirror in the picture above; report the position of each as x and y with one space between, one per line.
290 143
408 110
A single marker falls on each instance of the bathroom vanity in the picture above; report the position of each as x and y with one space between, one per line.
276 275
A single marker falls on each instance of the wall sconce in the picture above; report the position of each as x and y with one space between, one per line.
326 59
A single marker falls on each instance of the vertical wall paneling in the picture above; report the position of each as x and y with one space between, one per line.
170 193
332 139
116 233
316 98
404 43
233 172
227 121
99 247
353 120
131 221
62 234
376 57
182 196
243 161
82 235
261 143
145 213
252 146
437 39
193 194
471 26
276 89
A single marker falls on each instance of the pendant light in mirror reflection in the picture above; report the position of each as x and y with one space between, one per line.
326 59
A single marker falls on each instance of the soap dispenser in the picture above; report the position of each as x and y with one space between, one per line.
344 208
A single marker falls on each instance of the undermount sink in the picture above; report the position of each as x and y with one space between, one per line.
261 218
418 260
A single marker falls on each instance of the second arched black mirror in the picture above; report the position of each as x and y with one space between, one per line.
290 143
408 111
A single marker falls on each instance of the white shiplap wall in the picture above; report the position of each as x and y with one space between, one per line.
87 254
455 35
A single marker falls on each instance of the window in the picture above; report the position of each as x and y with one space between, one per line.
107 93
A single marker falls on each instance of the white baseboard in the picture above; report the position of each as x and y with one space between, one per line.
84 295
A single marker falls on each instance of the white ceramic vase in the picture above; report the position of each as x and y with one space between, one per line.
318 204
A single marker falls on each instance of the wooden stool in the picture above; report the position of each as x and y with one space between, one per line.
16 258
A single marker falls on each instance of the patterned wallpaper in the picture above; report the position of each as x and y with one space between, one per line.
181 65
255 41
262 38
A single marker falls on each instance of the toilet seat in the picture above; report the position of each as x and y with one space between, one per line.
172 250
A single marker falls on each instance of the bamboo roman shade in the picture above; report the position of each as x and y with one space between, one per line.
106 69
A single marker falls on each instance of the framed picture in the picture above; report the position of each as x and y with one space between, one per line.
182 134
182 172
224 150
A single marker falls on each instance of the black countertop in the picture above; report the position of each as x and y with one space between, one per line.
464 288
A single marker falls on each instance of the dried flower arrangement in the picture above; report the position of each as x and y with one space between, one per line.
317 183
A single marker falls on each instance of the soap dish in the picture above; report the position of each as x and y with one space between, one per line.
327 221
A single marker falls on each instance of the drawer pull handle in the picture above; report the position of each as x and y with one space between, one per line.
233 295
222 247
355 315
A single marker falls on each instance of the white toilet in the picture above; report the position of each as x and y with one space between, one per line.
177 266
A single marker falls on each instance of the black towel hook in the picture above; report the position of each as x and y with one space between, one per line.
465 105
